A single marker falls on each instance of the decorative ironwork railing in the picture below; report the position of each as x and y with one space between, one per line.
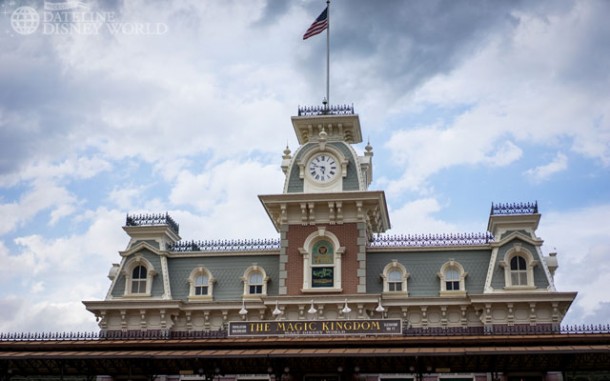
222 333
151 220
427 240
111 335
326 110
502 330
514 208
226 245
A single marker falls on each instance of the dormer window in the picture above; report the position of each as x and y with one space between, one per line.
518 271
452 279
394 278
255 282
201 284
518 267
138 273
138 280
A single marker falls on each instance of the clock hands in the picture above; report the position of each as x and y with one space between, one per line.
322 167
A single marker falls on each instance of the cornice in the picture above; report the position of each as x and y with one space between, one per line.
517 235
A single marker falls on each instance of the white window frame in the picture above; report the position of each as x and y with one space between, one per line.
392 266
138 260
306 251
246 279
442 274
192 280
530 263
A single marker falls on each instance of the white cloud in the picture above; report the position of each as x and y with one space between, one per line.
425 151
583 244
127 197
206 106
224 199
518 88
77 167
544 172
48 270
417 217
44 195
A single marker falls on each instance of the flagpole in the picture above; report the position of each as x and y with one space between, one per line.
328 54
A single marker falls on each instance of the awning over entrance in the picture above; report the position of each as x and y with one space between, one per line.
432 354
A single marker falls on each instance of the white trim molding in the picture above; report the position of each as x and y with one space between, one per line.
511 260
458 270
395 266
336 250
247 279
209 281
130 266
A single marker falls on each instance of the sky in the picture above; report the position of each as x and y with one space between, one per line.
116 107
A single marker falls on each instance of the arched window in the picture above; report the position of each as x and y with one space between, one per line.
518 271
322 265
201 284
518 264
255 282
138 273
138 280
322 256
452 279
394 278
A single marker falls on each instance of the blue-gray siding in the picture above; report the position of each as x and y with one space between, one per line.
157 286
423 268
228 271
498 282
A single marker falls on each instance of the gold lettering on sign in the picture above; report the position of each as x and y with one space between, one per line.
260 327
320 328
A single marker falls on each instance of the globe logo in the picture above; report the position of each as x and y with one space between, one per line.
25 20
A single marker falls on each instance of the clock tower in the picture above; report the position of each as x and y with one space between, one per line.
326 214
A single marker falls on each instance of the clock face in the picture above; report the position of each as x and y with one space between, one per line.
323 167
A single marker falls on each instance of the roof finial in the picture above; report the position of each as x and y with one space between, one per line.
323 135
368 148
286 152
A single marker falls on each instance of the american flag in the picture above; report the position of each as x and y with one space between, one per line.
318 26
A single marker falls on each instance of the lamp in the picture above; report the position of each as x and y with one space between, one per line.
277 312
380 308
243 312
312 310
346 310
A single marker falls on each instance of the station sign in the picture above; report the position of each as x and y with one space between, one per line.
315 327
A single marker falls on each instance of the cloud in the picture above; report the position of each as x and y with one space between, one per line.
43 195
229 208
48 268
544 172
193 122
425 151
417 217
581 240
505 95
